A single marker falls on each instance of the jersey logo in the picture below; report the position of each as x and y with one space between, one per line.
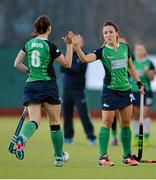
57 50
122 63
132 98
106 105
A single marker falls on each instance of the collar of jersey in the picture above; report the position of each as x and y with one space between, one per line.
143 60
42 38
110 47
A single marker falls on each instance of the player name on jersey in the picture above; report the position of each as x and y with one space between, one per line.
36 45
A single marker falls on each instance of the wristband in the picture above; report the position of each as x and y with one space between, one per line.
139 84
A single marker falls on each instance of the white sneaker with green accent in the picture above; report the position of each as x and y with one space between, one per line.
65 156
59 161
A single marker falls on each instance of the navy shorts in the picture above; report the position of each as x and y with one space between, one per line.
114 100
41 91
148 98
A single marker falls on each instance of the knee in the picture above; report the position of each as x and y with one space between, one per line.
107 123
125 123
54 121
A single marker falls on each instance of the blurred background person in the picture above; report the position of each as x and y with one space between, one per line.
74 96
145 69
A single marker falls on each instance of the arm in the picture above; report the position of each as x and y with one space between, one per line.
19 62
150 71
85 57
150 74
67 60
135 75
132 71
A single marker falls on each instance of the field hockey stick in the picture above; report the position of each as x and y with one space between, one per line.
18 129
140 143
148 161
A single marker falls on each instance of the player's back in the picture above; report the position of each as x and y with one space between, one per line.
38 55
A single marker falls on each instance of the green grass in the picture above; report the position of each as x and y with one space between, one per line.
38 162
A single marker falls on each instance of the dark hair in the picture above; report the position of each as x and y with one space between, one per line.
122 39
111 23
140 43
42 24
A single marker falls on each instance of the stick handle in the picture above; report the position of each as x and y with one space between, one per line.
141 108
148 161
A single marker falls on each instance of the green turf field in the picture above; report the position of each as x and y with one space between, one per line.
38 162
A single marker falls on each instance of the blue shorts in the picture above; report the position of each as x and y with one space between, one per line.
148 98
114 100
41 91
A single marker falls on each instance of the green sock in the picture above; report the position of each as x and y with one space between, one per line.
104 135
114 133
57 140
126 140
29 129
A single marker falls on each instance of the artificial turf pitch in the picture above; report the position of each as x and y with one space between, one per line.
38 161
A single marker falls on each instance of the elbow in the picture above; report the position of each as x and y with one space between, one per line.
16 65
66 64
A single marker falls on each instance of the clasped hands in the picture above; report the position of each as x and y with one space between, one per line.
71 38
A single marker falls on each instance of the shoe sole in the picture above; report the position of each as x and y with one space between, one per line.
105 165
130 164
58 165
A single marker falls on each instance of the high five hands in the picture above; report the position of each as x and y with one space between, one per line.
72 38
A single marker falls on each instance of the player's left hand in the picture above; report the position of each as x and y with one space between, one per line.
141 87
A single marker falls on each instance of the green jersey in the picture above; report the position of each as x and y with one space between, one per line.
40 54
141 67
115 63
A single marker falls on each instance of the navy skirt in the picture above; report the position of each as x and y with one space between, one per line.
41 91
114 100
